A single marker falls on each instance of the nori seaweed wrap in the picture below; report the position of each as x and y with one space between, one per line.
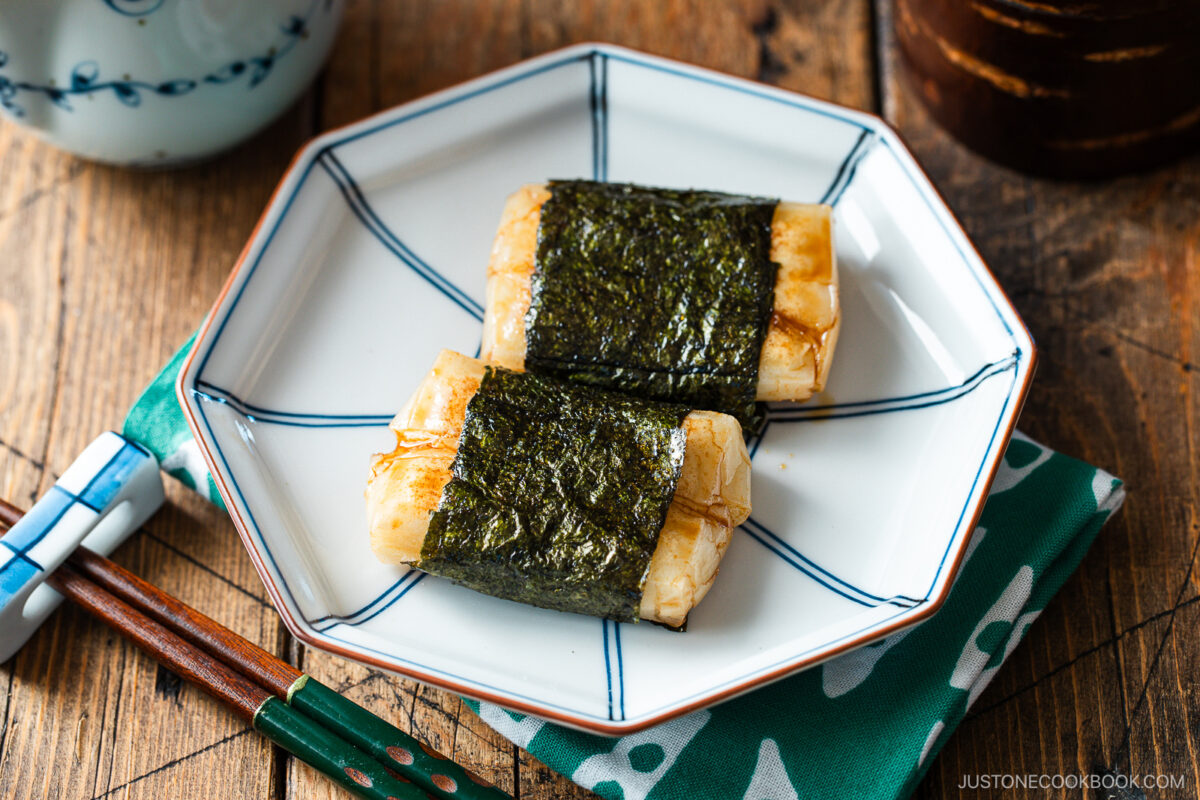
558 495
660 313
659 293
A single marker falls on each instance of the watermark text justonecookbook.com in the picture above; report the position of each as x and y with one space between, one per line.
1035 780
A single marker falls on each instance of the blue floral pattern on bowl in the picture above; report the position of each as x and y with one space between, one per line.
86 78
134 8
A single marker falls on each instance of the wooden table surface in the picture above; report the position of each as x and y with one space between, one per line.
104 272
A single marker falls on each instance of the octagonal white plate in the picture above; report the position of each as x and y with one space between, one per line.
371 257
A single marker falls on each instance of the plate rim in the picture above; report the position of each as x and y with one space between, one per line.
312 149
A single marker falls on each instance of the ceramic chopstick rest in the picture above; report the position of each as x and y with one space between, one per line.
106 494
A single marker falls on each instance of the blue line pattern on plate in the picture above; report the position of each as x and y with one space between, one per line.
404 585
612 657
954 237
351 193
553 65
845 173
598 100
791 555
215 394
85 76
362 209
620 667
733 84
861 408
756 439
975 482
607 665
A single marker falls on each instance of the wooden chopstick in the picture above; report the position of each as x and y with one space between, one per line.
237 691
125 601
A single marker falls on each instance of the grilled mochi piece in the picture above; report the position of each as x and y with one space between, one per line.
711 498
806 318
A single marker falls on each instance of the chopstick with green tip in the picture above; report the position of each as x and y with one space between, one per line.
349 744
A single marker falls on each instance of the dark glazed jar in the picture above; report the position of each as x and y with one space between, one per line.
1071 88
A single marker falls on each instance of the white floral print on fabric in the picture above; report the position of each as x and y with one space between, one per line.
770 780
973 544
844 673
934 733
972 673
1008 477
640 760
187 459
518 731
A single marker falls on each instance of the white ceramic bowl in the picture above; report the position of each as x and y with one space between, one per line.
372 257
157 82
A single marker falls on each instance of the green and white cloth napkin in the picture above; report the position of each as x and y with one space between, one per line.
864 725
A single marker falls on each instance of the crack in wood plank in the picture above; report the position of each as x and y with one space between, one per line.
4 719
982 710
25 201
1186 366
1116 646
1123 750
147 534
122 646
516 760
173 763
28 459
59 333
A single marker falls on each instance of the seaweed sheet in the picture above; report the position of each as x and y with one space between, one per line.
558 494
659 293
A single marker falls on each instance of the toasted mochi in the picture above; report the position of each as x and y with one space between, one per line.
711 498
805 319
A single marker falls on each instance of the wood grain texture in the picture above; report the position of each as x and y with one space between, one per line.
104 272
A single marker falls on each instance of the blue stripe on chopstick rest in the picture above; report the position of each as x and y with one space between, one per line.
111 473
101 490
14 576
94 460
44 515
96 493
